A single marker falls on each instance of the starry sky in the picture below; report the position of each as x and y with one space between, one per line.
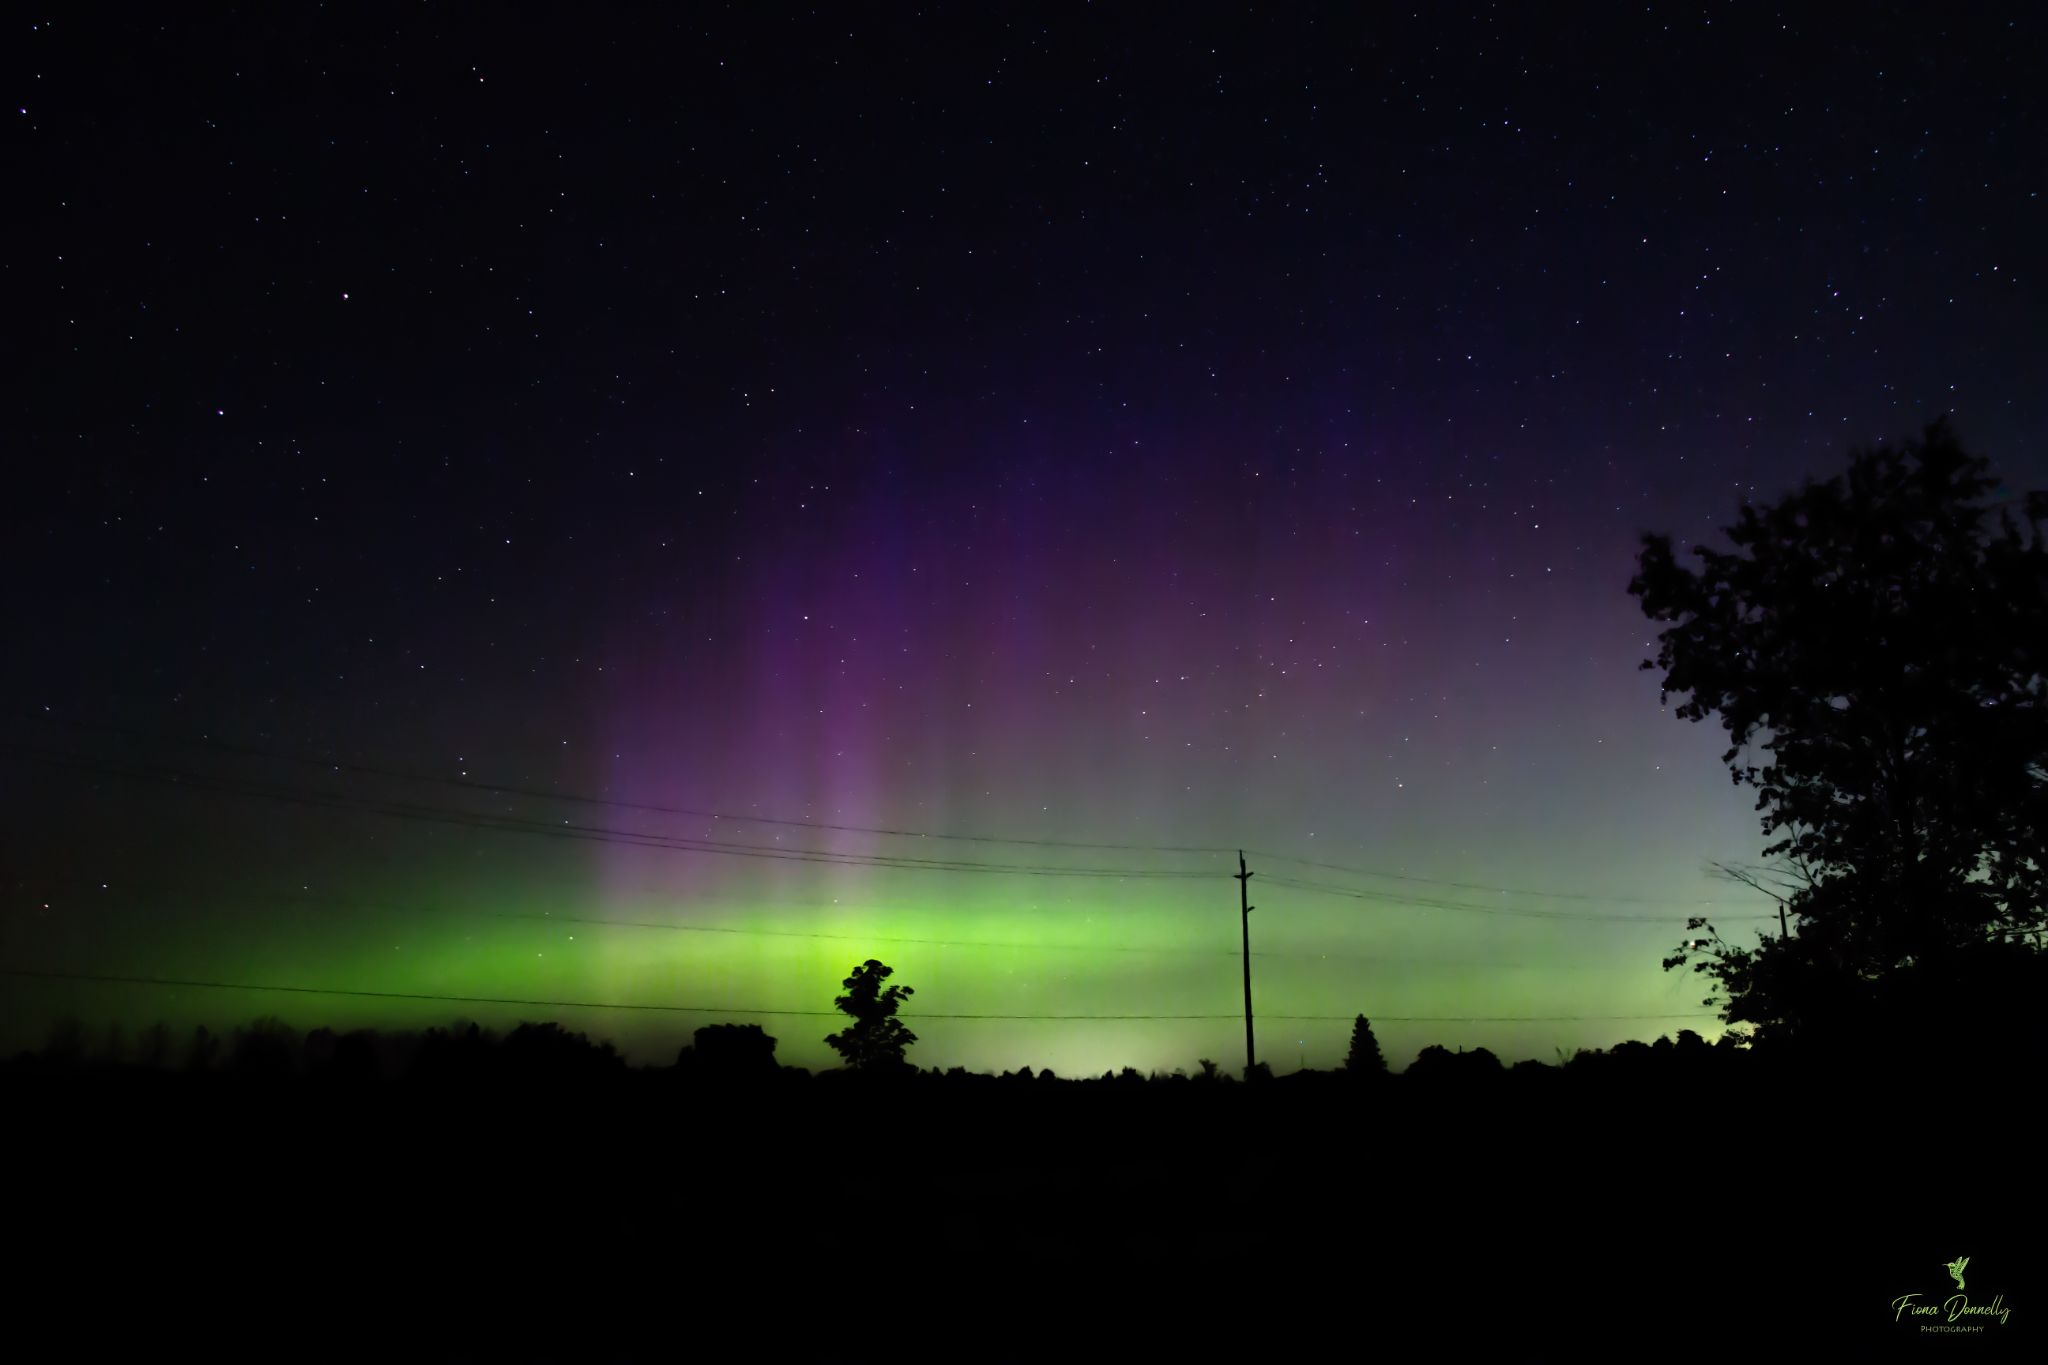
618 517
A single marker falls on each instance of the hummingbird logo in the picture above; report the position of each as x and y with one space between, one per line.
1955 1268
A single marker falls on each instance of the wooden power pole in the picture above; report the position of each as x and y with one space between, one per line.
1244 885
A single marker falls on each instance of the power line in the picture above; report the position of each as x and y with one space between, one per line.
1495 1018
1299 954
189 898
1420 902
564 830
1477 886
581 798
632 838
555 794
963 943
194 984
181 982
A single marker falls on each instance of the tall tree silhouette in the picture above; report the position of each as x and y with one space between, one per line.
876 1039
1365 1058
1875 646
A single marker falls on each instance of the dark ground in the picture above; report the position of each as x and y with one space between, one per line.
637 1219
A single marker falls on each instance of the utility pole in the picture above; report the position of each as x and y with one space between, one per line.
1244 887
1781 920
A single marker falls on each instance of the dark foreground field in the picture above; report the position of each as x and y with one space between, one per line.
636 1218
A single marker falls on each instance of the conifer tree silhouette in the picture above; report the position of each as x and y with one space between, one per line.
1364 1059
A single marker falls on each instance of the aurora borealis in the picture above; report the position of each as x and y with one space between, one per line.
1083 429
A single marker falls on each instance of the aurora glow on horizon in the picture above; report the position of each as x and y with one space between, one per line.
1159 459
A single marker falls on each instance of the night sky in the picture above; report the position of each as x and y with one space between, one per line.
1159 428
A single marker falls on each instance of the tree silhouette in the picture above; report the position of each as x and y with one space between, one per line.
733 1050
65 1045
1881 639
1437 1062
547 1050
876 1039
266 1047
154 1051
1364 1059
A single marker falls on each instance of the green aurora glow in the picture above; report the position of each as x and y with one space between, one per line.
1065 947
